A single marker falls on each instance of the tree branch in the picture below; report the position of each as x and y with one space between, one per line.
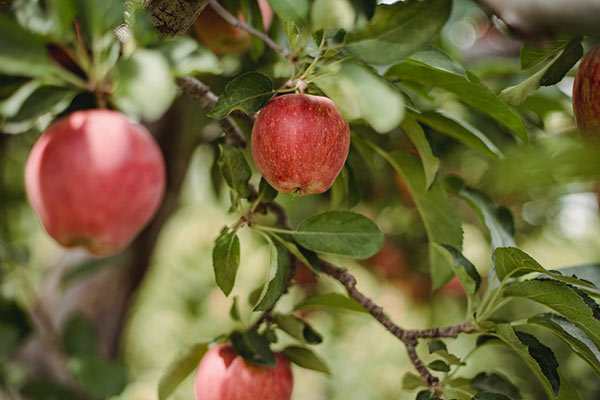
201 92
226 15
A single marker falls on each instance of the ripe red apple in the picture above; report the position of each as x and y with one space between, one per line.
586 95
220 36
300 143
95 180
223 375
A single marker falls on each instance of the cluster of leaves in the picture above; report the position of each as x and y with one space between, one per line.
47 60
380 64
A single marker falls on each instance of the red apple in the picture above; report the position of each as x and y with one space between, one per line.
300 143
95 180
586 95
220 36
223 375
453 288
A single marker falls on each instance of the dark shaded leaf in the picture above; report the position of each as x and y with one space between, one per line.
496 383
79 336
297 328
226 260
253 348
572 335
234 169
99 377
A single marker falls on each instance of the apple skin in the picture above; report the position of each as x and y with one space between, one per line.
300 143
95 180
223 375
220 36
586 96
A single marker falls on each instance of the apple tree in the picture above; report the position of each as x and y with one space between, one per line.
427 145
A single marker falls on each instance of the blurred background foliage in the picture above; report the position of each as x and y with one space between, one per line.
551 186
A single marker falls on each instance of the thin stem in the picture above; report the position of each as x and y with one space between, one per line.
226 15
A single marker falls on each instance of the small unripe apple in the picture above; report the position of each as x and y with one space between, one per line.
300 143
586 95
223 375
220 36
95 180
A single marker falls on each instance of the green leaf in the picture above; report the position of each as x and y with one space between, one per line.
514 262
276 278
99 377
50 100
490 396
253 348
566 300
439 216
438 365
234 311
306 358
462 131
79 336
415 133
411 381
465 270
563 63
567 390
99 17
226 260
291 10
340 232
585 272
358 92
9 339
532 54
23 53
297 328
538 357
266 193
234 169
248 92
187 57
496 383
180 368
467 89
46 389
14 326
331 14
336 301
497 220
144 86
551 74
398 30
436 345
436 58
572 335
